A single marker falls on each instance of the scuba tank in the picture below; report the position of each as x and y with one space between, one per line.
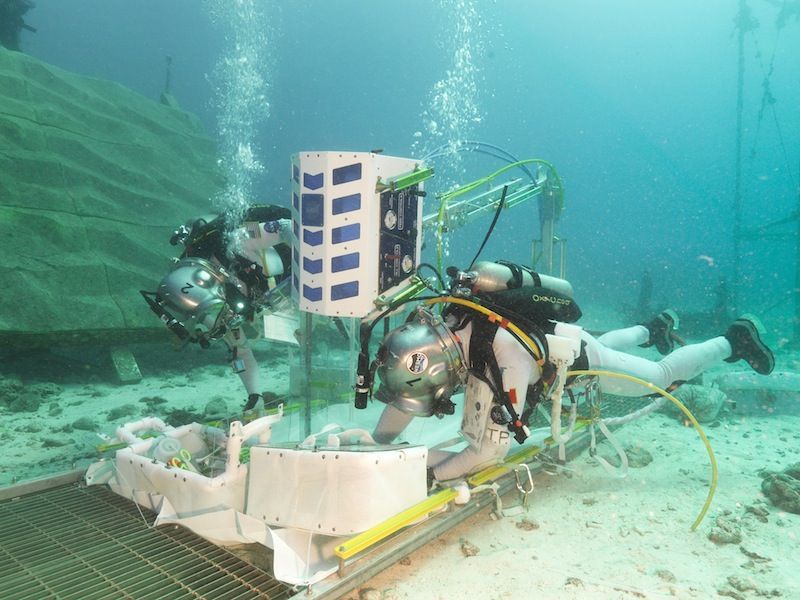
502 275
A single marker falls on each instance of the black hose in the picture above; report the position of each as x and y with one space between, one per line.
436 272
491 227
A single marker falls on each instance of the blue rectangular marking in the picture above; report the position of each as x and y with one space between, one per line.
296 201
312 294
347 174
345 262
295 282
346 204
313 182
312 266
296 173
312 238
296 230
312 210
346 233
344 290
296 256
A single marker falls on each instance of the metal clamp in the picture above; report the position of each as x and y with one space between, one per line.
521 483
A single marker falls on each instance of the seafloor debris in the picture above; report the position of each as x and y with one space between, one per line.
527 525
369 594
759 512
725 531
666 575
119 412
736 587
468 548
84 424
18 397
783 488
638 456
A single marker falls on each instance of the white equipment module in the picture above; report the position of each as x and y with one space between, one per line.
357 223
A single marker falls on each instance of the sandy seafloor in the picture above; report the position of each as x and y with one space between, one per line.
586 533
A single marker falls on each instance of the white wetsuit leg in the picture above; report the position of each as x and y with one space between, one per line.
628 337
240 348
681 365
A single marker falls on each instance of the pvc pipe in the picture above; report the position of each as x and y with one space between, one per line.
127 432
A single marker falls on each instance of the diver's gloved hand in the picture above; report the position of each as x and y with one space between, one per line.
431 479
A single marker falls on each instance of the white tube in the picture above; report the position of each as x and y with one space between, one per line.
262 427
638 414
562 353
127 432
622 472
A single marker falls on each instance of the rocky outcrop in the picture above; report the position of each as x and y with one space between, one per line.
94 179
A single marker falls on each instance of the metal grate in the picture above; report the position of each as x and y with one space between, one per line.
88 543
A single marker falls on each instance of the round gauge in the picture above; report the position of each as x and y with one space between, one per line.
390 219
407 264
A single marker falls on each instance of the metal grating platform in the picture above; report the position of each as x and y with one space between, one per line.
89 544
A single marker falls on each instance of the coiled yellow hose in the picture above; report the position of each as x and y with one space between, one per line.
714 473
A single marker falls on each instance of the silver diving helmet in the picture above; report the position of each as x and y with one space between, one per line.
420 365
194 290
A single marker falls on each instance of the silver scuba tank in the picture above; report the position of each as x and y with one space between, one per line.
493 277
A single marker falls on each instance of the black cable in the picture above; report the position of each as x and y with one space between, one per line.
436 272
491 227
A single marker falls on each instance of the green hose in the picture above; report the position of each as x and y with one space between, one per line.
445 198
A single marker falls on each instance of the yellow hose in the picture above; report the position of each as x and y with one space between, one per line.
597 372
714 474
492 315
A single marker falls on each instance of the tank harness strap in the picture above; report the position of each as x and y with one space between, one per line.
516 275
481 356
581 364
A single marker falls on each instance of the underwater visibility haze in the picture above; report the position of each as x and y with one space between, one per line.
672 127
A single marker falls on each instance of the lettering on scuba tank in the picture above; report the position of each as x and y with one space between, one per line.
185 289
550 299
417 362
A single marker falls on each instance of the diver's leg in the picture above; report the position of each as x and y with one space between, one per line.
244 364
629 337
493 448
683 364
390 425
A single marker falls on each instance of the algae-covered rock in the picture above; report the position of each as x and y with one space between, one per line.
25 402
783 489
10 388
702 401
725 531
95 179
120 412
84 424
216 408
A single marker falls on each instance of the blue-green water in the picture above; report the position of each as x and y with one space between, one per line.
633 101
